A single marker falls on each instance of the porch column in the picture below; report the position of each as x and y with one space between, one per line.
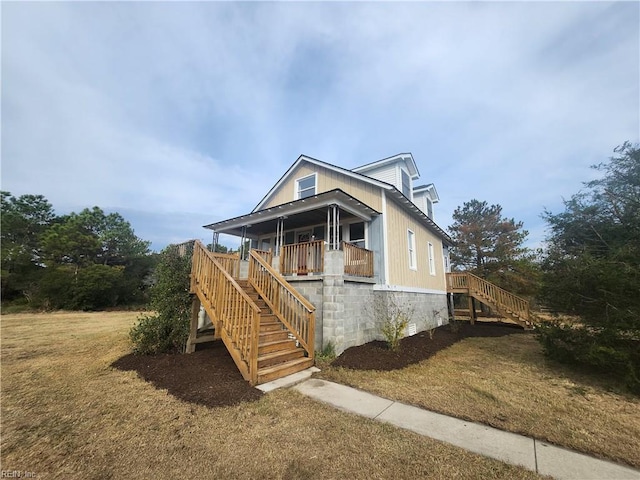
333 219
244 235
214 240
279 236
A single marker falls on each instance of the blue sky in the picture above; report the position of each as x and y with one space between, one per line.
181 114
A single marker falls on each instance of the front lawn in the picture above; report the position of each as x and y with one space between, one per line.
507 383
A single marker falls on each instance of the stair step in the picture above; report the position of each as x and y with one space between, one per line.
275 358
270 326
266 337
276 345
281 370
268 318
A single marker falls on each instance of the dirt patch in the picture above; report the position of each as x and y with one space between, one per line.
207 377
376 356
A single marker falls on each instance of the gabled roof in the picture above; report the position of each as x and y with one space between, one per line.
393 191
304 158
405 157
435 198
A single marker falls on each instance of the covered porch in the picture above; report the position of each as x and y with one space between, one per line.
300 238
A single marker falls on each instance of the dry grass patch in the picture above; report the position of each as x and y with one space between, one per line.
506 382
67 414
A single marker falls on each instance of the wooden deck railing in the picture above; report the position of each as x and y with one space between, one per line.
482 289
302 258
231 310
294 311
357 261
266 254
230 262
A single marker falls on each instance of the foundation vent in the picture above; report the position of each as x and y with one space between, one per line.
411 329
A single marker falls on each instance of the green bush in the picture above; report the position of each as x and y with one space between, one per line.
67 287
154 334
600 350
168 329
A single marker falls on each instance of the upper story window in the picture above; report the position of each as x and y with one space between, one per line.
429 207
406 184
411 240
306 186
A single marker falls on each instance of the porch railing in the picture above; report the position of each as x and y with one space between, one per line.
266 254
231 310
294 311
229 262
357 261
302 258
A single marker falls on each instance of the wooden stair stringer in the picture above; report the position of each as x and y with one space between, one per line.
224 336
501 309
278 355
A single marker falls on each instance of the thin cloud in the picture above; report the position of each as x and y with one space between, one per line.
184 114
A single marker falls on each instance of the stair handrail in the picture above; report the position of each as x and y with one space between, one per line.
230 309
295 312
501 297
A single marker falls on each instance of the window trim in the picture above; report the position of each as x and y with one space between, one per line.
411 249
432 259
297 191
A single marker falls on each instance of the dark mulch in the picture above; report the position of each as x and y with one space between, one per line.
207 377
414 349
210 377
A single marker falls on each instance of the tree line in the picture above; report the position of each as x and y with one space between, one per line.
87 260
589 267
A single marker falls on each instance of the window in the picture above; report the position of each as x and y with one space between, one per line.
306 186
356 234
429 207
318 233
432 263
412 249
447 262
406 184
289 238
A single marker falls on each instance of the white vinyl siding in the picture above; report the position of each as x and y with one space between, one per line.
432 263
411 241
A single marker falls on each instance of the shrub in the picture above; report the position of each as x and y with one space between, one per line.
394 319
600 350
168 329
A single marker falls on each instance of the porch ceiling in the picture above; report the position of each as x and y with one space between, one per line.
297 214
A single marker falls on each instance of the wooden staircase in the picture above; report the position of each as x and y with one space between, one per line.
278 354
267 327
505 303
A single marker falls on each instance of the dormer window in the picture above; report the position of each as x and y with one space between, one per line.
406 184
306 186
429 207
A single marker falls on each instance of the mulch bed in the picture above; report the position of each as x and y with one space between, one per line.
209 377
414 349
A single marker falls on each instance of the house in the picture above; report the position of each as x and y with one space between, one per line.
338 243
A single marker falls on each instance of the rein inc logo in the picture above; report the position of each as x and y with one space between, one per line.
17 474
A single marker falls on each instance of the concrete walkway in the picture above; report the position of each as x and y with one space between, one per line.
507 447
